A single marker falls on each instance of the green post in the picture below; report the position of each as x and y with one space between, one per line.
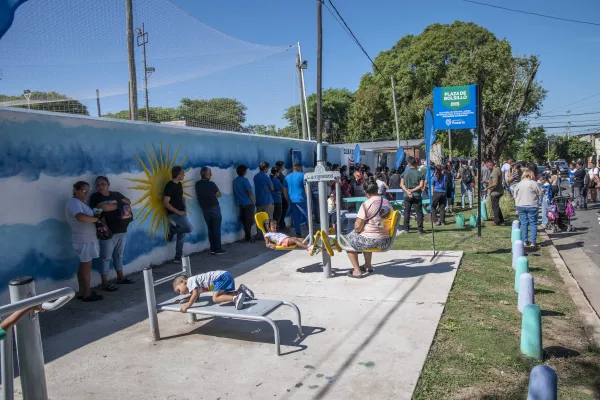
522 267
473 221
483 211
515 235
531 332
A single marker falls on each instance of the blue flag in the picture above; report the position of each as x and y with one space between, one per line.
357 154
7 13
429 140
399 157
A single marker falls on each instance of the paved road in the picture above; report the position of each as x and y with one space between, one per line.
581 251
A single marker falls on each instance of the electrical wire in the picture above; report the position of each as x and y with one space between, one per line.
532 13
565 115
355 39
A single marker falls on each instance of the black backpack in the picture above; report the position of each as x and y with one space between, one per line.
467 176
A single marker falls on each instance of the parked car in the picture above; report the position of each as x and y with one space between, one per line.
562 166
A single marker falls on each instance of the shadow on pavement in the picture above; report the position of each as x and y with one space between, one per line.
127 306
253 331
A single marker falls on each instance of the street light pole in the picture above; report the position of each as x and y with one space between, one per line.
323 215
133 105
142 39
304 93
395 113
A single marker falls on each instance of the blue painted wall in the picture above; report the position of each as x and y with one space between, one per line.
43 154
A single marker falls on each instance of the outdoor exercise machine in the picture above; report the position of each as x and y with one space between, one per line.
253 310
30 355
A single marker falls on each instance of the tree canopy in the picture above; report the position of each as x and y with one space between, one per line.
336 105
448 55
46 101
218 113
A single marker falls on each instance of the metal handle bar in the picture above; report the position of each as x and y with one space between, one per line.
62 297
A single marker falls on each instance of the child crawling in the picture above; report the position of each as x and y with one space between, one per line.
221 283
274 238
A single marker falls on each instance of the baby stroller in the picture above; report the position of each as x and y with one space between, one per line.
559 215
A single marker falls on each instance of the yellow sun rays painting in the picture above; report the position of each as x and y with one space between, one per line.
158 174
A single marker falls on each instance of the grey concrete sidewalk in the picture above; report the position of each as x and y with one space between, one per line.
580 251
363 339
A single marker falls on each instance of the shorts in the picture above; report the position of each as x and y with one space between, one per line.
360 242
87 251
224 282
285 242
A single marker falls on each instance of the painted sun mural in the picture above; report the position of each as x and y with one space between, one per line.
158 173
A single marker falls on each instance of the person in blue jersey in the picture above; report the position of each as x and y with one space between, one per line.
439 181
244 198
276 194
263 186
295 193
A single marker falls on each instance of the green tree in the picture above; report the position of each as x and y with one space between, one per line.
462 142
573 148
336 105
535 147
218 113
45 101
271 130
157 114
459 54
369 116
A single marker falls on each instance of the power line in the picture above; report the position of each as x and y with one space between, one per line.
532 13
564 115
570 104
349 31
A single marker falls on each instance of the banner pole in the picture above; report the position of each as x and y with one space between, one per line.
479 128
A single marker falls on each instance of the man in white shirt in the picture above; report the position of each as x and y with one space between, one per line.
593 172
506 171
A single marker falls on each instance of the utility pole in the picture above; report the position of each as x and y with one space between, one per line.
133 105
299 65
450 143
304 92
323 215
98 102
395 113
142 39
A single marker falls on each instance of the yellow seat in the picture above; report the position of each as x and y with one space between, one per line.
261 219
393 221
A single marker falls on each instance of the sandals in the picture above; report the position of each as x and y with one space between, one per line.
351 275
80 297
366 271
110 288
92 297
125 281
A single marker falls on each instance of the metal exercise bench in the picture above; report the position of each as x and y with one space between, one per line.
253 310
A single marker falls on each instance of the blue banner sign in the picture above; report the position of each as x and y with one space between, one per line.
455 107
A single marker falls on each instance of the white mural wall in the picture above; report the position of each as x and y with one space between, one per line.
43 154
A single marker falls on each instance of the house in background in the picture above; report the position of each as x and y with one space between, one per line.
594 139
386 150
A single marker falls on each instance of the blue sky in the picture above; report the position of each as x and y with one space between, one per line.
570 53
49 54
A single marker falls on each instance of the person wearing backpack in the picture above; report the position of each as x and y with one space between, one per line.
466 186
116 209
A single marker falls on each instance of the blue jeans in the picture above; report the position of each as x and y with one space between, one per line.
213 218
299 216
112 249
545 203
528 217
182 226
466 189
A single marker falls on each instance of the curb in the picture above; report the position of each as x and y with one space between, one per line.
591 320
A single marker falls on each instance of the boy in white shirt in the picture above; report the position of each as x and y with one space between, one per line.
274 238
221 283
331 210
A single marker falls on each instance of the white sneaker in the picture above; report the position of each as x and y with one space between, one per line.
239 301
244 289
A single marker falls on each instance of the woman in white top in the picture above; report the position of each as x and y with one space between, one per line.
81 219
527 199
382 187
594 178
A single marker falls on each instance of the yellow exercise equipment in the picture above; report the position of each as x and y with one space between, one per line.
261 219
392 220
